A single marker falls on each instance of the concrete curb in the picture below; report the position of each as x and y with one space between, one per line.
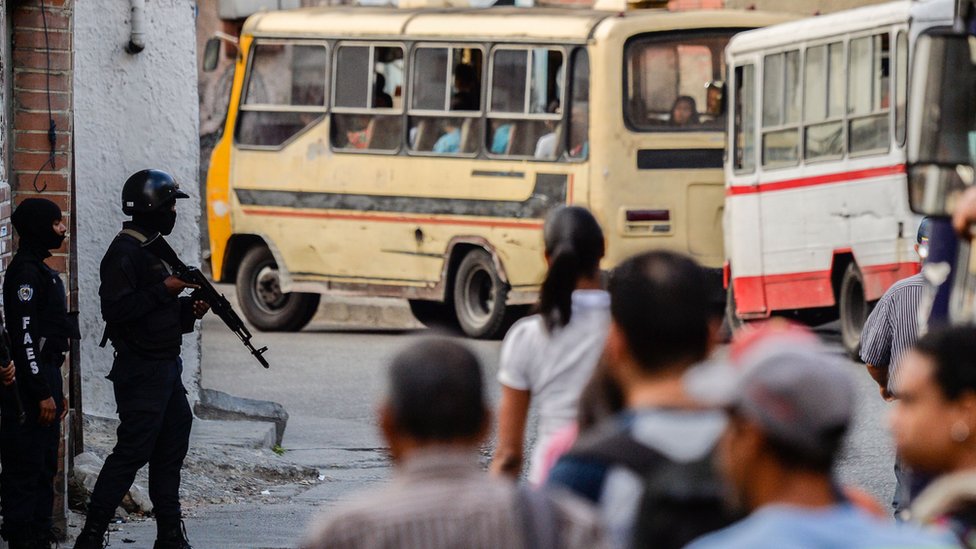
218 405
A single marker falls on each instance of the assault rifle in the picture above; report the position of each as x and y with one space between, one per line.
6 355
158 246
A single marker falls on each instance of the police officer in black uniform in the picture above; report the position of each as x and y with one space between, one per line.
145 320
37 318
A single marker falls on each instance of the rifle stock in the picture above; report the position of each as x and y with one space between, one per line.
205 292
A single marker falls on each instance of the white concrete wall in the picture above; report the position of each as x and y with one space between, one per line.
131 112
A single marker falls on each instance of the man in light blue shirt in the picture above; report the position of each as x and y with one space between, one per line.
789 404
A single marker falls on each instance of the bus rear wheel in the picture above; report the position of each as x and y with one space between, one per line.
261 299
479 296
854 309
434 314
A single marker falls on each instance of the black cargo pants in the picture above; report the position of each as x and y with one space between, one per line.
154 428
29 459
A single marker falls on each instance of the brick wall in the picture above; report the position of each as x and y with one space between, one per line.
34 171
40 63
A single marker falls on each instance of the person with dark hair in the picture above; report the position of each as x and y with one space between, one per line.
934 426
434 417
790 404
36 314
627 465
547 358
684 111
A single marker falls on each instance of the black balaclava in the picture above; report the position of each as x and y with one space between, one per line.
162 219
34 221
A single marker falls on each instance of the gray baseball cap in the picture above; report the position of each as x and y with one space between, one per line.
792 387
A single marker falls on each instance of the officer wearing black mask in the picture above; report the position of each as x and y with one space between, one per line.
145 320
40 326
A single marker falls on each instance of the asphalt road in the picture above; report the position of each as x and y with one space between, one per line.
330 378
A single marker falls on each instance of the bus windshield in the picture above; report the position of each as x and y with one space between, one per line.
674 82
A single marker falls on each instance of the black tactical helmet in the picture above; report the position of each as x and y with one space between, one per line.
148 190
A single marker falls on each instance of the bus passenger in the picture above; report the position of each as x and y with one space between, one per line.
467 88
684 112
381 99
545 147
450 140
579 129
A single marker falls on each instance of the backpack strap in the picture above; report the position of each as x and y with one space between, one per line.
139 237
611 442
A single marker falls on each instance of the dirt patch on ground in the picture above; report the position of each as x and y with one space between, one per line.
211 475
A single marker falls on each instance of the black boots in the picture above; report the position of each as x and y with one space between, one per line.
92 536
29 538
170 534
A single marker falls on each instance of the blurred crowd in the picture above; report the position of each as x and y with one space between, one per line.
653 433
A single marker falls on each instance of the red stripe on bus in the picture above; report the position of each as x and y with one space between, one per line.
397 219
816 180
764 294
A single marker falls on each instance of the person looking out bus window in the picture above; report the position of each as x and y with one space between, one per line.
548 357
546 146
684 112
467 88
381 99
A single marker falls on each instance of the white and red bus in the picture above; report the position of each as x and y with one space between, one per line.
817 221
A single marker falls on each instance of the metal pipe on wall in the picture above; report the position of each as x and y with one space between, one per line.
137 36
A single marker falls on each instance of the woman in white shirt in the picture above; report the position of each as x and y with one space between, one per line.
547 358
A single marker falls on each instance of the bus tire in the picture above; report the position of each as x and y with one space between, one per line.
261 299
854 309
479 296
434 314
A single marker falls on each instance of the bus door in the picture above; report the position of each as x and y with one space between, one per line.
743 212
280 137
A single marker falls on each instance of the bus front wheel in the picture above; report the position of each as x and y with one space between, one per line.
854 309
479 296
261 299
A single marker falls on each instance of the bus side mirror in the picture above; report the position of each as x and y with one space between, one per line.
942 122
715 98
211 54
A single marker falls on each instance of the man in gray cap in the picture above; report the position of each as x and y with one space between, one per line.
789 404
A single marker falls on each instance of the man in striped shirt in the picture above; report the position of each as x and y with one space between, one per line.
890 331
892 328
434 419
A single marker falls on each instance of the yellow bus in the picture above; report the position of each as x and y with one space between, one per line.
414 153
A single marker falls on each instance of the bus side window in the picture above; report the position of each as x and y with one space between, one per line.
781 109
901 85
745 119
868 94
823 109
284 93
524 117
446 100
365 114
578 146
